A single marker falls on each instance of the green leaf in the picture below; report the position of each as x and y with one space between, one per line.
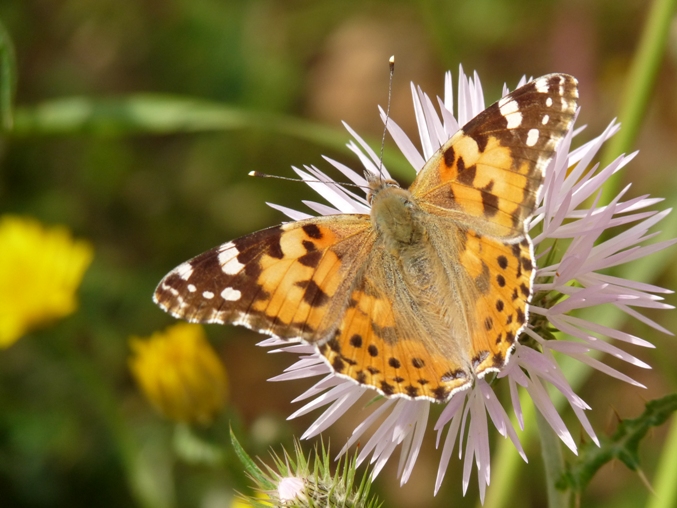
167 114
250 466
622 445
8 79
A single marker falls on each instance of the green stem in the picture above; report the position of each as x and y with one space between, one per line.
507 462
639 86
665 495
8 79
553 460
102 396
638 90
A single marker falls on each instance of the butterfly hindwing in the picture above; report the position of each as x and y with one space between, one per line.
390 338
504 275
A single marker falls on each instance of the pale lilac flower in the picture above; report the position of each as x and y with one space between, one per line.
563 214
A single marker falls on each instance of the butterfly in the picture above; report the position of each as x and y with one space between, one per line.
426 293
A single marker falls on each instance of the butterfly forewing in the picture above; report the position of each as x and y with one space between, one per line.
290 281
490 172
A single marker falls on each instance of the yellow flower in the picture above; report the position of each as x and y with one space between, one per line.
180 373
261 499
40 270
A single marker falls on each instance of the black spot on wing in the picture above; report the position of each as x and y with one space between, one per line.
527 265
449 156
337 364
521 318
467 176
489 204
313 295
525 290
387 388
312 231
454 374
479 358
418 363
312 258
266 241
356 341
502 262
482 280
334 345
440 393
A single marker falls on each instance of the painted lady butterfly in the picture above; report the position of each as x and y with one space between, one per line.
430 290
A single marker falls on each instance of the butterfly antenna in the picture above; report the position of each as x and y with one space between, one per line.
258 174
391 63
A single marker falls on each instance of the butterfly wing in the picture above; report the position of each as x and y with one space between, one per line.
483 185
499 299
291 281
489 173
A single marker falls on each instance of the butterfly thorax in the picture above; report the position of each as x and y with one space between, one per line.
393 214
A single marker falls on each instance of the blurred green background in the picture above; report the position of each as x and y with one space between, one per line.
136 124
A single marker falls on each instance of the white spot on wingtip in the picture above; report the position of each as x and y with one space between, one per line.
228 259
532 137
231 295
541 85
232 267
548 101
546 119
510 111
208 295
192 288
184 270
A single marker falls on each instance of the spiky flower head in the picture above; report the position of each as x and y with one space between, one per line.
300 482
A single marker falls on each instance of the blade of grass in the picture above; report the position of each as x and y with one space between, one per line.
639 85
665 495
